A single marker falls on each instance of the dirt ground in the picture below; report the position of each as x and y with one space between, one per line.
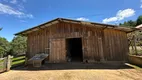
73 74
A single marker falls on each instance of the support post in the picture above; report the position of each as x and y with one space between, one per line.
101 49
135 47
8 65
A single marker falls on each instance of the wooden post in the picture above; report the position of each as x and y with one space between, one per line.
101 49
26 60
132 45
135 44
8 65
4 63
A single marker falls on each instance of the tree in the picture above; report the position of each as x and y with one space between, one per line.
0 29
139 20
4 47
18 45
2 51
129 23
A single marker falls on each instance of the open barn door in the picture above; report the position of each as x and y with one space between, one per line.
58 51
74 49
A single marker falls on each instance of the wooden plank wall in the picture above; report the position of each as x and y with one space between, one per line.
39 41
116 45
90 38
58 51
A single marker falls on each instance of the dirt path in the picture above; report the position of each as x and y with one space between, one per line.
78 74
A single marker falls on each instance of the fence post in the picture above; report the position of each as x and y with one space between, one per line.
4 63
8 65
26 61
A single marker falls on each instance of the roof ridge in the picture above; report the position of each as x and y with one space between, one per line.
65 19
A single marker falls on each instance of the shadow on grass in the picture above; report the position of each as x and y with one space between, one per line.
74 66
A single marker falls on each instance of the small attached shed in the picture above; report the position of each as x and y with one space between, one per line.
68 40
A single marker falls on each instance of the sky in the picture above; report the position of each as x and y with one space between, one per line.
18 15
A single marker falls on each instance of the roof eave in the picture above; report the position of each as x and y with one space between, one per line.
39 26
127 30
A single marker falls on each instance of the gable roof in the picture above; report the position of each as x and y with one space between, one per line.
127 30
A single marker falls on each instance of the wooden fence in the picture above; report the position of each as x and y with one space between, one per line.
19 60
3 64
9 62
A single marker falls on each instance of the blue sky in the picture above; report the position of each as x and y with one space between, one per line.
18 15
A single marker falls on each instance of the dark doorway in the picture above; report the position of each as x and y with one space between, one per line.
74 50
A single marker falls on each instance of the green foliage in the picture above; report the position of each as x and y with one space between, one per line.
4 47
139 20
0 29
131 23
18 45
2 51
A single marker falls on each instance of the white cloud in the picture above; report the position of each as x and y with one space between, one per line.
5 9
112 19
21 7
121 14
141 6
18 3
29 15
82 19
13 1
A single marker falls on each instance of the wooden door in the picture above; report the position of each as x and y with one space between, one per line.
58 51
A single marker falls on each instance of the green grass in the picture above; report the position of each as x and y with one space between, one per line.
1 64
17 58
1 60
1 67
18 62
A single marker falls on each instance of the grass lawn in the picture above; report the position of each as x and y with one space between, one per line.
1 67
1 63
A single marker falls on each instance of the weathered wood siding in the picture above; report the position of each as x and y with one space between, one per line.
97 43
115 45
58 50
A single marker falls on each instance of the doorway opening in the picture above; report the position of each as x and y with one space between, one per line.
74 50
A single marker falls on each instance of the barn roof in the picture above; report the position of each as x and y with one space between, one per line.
116 27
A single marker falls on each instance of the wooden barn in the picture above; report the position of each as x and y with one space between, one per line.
68 40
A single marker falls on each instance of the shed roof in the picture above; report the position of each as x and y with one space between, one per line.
127 30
